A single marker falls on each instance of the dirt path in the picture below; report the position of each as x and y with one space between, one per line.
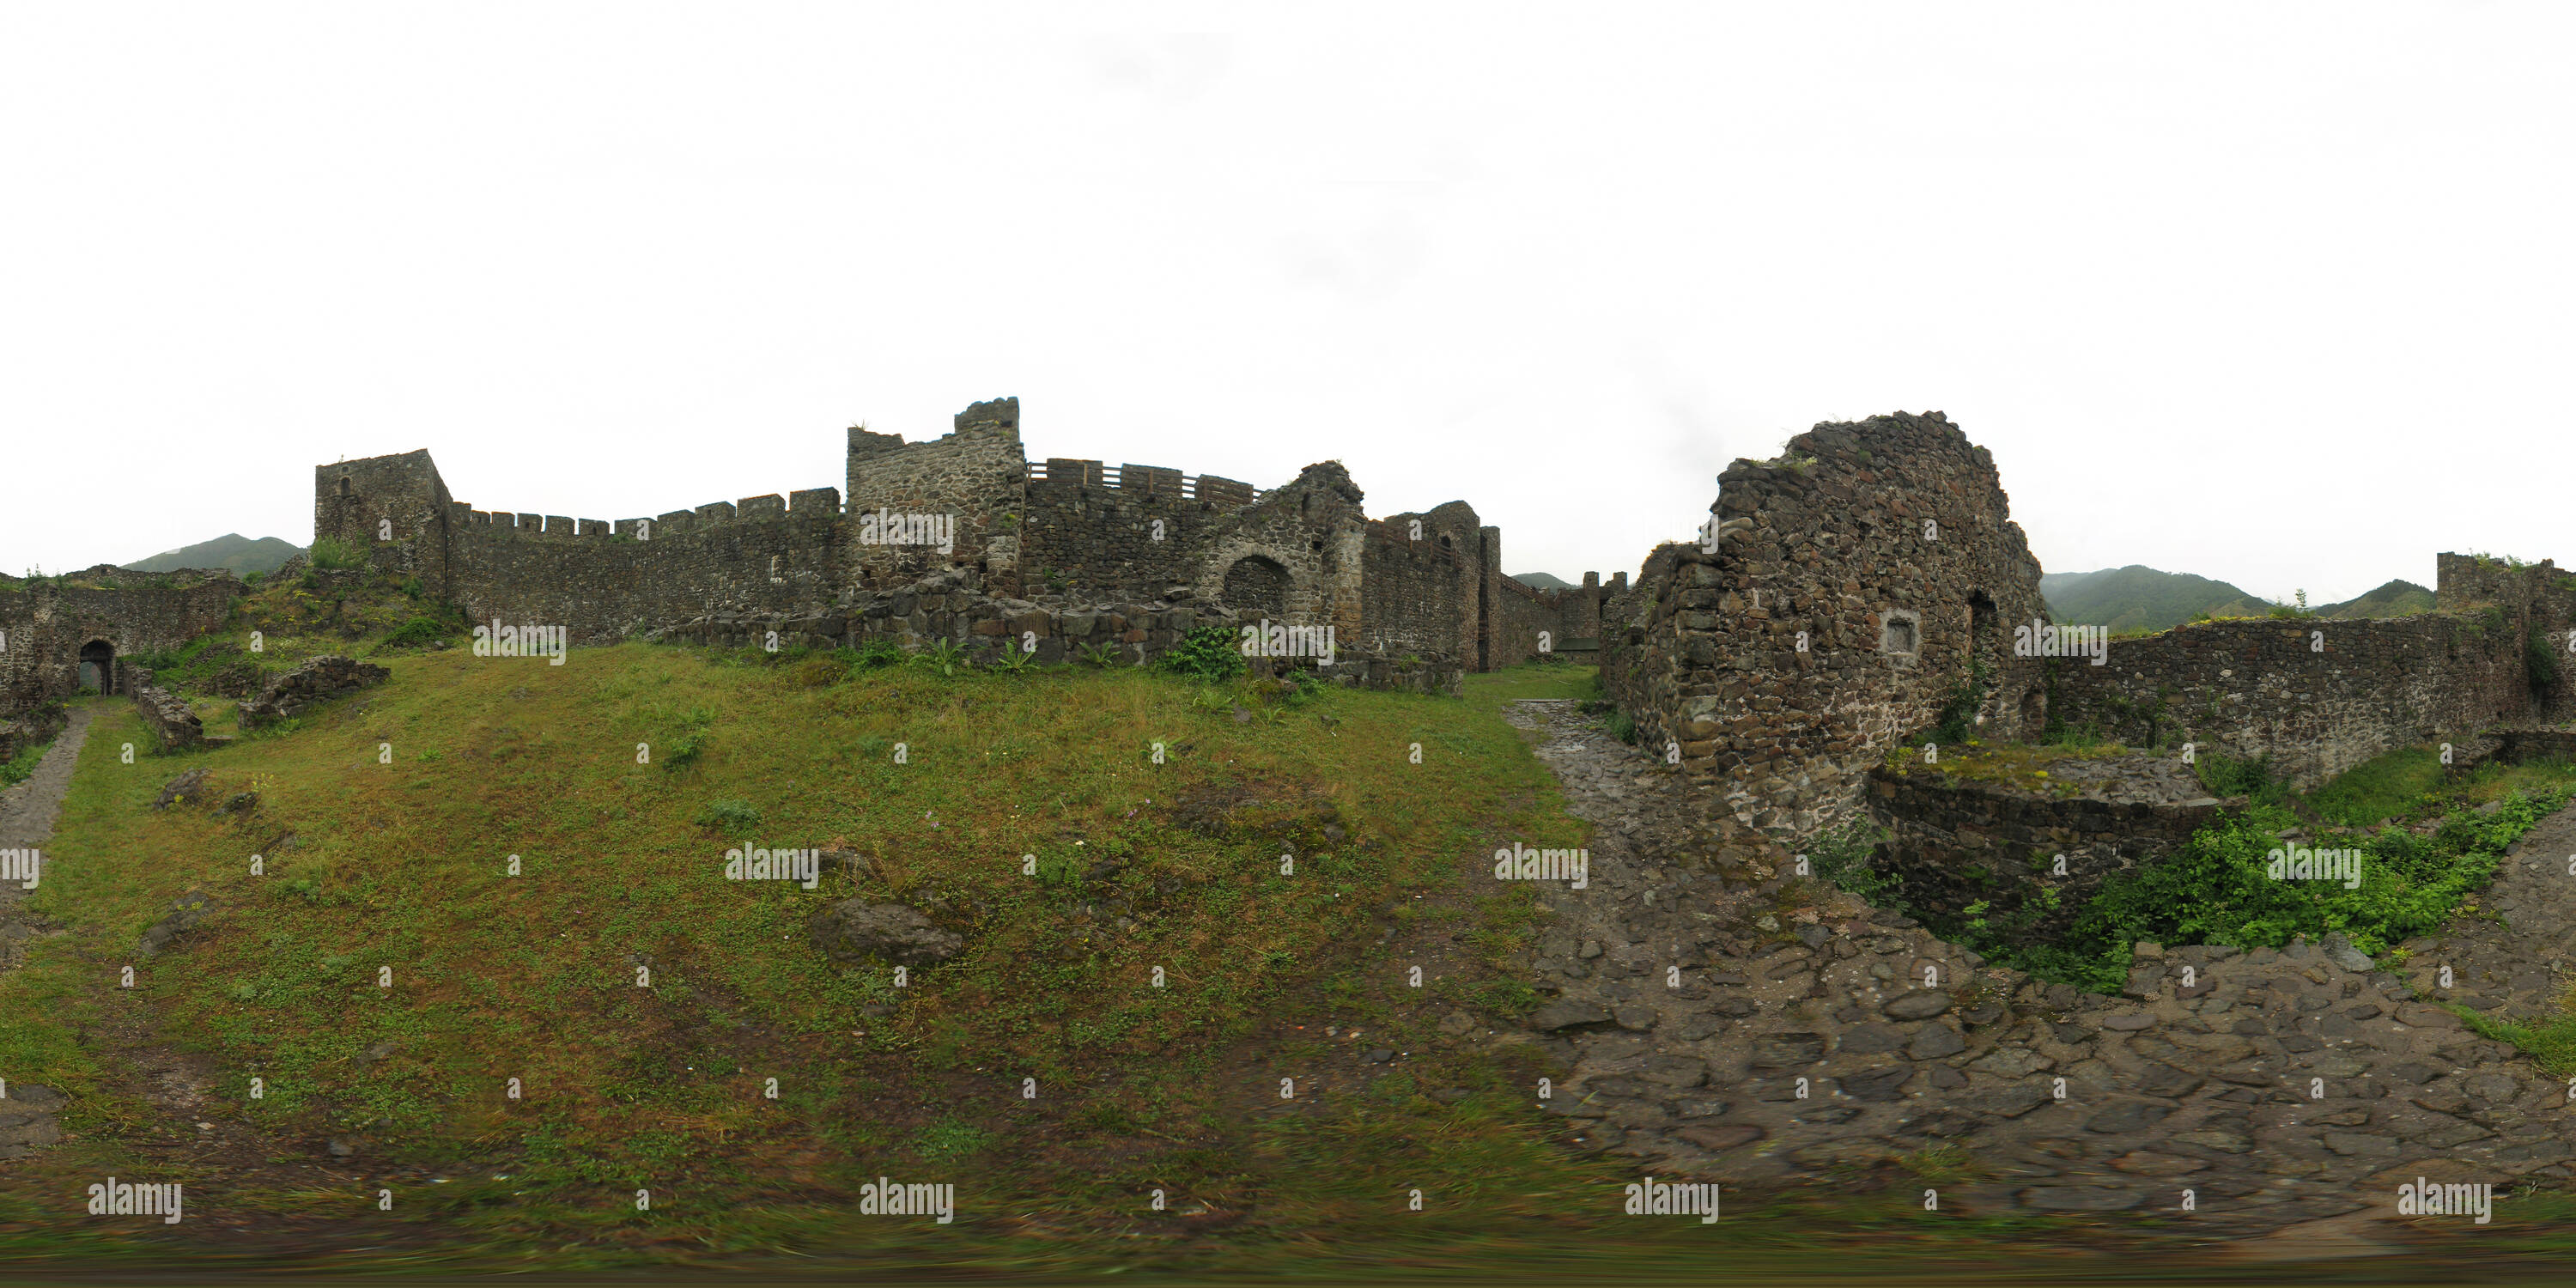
27 814
2064 1102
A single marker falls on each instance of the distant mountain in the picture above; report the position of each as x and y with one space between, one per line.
2141 598
231 550
2396 599
1542 581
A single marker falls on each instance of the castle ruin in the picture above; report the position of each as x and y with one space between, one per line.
1859 589
964 538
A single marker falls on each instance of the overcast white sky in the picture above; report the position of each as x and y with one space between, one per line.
2277 294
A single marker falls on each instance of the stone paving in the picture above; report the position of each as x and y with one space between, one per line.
27 814
1817 1041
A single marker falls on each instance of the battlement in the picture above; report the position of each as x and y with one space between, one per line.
1143 481
805 503
969 503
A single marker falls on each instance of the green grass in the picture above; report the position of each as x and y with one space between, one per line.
17 769
403 865
1494 690
2386 787
2550 1041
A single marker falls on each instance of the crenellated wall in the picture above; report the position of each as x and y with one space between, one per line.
603 585
1070 530
975 474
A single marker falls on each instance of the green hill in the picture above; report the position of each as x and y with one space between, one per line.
2395 599
2141 598
1543 581
231 550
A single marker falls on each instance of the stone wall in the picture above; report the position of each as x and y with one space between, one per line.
45 624
1080 531
2538 602
1953 842
1301 554
168 715
29 728
976 473
604 585
1562 616
1414 591
953 607
1888 545
393 508
2318 697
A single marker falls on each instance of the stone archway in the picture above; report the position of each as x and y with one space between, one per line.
1257 585
98 666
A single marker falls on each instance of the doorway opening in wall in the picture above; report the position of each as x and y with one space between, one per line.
98 666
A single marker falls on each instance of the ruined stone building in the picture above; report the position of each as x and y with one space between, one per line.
965 538
1849 595
1854 588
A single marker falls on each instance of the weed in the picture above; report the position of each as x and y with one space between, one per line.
417 631
331 554
941 658
734 817
1210 653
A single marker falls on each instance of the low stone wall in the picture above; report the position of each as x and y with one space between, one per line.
951 607
1956 842
29 729
2518 745
169 716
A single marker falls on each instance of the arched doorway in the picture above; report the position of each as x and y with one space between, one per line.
1257 585
98 666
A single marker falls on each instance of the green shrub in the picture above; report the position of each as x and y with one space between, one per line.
417 631
2540 660
1842 858
1958 715
20 767
684 749
330 553
1209 653
2218 889
1623 727
873 654
941 657
2226 775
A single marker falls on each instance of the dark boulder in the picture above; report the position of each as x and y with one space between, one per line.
185 912
186 789
855 930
